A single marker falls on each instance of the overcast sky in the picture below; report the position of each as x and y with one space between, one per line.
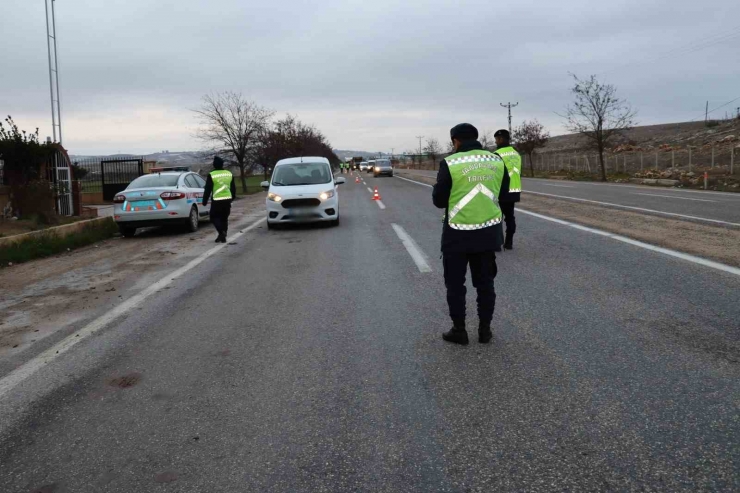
371 74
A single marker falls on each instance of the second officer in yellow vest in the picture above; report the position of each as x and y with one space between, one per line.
220 186
468 186
513 162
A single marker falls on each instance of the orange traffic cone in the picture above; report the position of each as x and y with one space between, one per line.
357 179
376 195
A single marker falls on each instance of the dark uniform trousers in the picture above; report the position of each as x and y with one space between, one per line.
507 208
483 271
220 210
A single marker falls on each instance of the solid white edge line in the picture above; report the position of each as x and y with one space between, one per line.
666 251
414 181
713 193
27 369
380 204
629 207
671 197
417 255
673 253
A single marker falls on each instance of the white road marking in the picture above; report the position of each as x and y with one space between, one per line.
648 187
369 189
417 182
673 253
647 246
672 197
716 221
561 186
17 376
420 259
380 204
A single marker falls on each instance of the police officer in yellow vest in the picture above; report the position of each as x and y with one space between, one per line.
513 162
220 186
468 186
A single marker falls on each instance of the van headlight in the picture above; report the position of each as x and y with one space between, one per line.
326 195
274 197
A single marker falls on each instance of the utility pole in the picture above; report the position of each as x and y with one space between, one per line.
706 114
419 137
51 34
509 106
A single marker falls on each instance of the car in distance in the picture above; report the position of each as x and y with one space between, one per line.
302 189
364 166
160 199
382 167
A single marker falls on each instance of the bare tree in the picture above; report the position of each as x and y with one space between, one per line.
598 114
433 150
528 137
486 140
450 147
234 126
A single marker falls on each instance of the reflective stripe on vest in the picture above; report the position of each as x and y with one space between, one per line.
514 166
221 184
476 182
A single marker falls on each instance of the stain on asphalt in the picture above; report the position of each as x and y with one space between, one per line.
126 381
165 477
48 488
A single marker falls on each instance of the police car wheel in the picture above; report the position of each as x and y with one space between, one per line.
193 220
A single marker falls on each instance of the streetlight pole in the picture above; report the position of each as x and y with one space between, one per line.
51 34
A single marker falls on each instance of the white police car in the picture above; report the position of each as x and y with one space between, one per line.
161 199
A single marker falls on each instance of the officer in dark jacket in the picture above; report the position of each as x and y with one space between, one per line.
467 184
507 200
220 187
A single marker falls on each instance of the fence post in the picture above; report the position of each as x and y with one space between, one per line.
642 164
712 156
656 160
732 160
689 159
625 164
673 159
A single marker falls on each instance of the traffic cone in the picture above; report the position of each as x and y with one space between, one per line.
357 179
376 195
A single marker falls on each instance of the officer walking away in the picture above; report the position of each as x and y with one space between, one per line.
468 185
513 162
220 186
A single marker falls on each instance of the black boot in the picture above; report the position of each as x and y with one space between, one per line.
484 333
509 242
457 334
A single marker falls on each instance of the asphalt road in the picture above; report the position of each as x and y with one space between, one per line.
310 359
716 206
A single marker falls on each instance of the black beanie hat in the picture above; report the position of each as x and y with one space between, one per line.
502 133
463 132
218 162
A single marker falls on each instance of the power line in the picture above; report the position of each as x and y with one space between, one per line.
718 107
694 46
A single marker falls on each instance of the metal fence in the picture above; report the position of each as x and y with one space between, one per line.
689 159
105 174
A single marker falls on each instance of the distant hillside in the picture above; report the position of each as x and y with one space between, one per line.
648 137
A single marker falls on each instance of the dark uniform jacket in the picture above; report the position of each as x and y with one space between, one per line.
209 189
508 196
459 241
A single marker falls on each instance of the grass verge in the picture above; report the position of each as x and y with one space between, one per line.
47 244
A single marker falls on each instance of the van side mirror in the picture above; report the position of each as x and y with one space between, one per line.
265 185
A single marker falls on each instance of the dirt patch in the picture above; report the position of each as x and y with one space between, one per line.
44 296
711 242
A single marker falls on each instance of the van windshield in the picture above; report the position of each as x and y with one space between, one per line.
301 174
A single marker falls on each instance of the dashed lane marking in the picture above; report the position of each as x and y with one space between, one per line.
380 204
418 256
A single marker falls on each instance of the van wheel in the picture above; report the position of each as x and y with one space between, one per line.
193 220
